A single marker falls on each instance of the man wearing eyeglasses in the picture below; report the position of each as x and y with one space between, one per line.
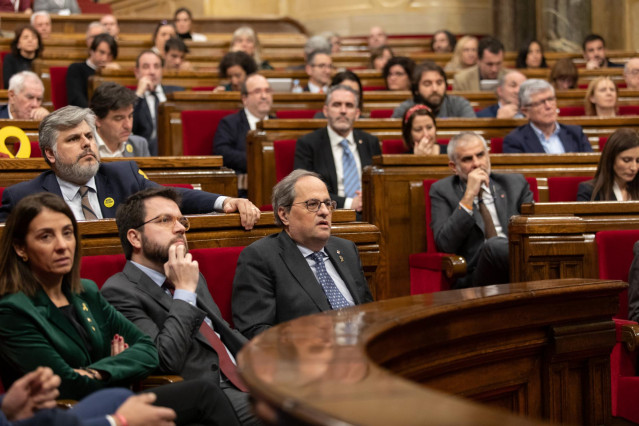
302 270
319 67
543 134
162 291
230 136
631 74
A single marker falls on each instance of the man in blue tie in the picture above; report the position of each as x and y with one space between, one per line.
302 270
338 153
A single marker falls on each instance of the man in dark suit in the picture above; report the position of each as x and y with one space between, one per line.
26 92
302 270
543 133
471 210
151 91
93 190
507 91
230 136
163 293
330 151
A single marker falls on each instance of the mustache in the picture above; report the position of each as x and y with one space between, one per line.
87 152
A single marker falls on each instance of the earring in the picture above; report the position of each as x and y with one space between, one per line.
25 258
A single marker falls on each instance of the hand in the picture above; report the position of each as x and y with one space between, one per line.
39 113
426 147
219 88
112 66
475 179
93 374
249 214
145 84
357 201
33 391
181 269
138 411
592 64
118 345
186 66
507 111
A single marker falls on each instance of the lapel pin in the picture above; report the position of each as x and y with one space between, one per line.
359 142
339 252
84 307
109 202
503 195
341 259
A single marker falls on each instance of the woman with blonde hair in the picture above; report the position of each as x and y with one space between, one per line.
245 39
601 97
465 54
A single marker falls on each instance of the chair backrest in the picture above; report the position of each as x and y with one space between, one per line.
496 145
284 153
629 110
572 111
614 251
296 113
393 146
564 188
1 191
218 267
179 185
373 88
101 267
59 86
602 142
430 237
198 130
2 55
381 113
532 183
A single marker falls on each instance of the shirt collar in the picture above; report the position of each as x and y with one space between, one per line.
91 65
540 134
252 120
155 276
69 189
104 149
314 88
336 139
306 252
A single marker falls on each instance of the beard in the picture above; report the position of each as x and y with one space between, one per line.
76 172
157 253
434 102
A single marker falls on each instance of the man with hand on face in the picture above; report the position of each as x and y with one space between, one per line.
302 270
151 91
489 67
338 153
94 190
26 92
162 292
471 211
112 105
507 96
595 53
429 87
230 136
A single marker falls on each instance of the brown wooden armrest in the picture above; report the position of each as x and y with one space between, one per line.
630 336
65 404
155 381
454 266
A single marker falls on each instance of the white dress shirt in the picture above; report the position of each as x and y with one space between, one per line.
338 154
339 282
71 194
105 151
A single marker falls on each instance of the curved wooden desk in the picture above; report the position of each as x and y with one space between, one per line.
539 349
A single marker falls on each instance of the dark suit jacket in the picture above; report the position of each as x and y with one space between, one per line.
458 232
313 152
524 140
230 140
172 324
274 283
488 112
114 182
143 122
4 111
584 192
34 332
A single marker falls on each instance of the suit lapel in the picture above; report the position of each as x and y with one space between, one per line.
338 258
326 153
104 198
501 204
362 149
50 184
146 284
533 140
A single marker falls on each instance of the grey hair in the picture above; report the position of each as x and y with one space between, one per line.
332 89
626 66
63 119
460 138
501 82
245 30
531 87
39 13
94 24
284 192
317 42
17 81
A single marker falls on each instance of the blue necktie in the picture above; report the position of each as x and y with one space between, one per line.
349 170
335 298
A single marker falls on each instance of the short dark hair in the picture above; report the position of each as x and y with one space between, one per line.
417 76
592 37
110 96
379 52
14 43
175 43
348 75
157 29
405 62
180 10
314 53
244 60
523 54
109 40
131 213
452 40
491 44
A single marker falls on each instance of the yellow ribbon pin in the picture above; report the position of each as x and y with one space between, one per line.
84 307
12 131
143 174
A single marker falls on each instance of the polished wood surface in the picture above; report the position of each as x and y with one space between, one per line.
537 349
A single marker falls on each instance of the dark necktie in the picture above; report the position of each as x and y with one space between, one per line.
335 298
489 225
88 212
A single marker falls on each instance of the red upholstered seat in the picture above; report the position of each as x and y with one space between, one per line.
373 88
58 86
496 145
296 113
2 55
532 182
35 149
179 185
89 6
101 267
572 111
284 153
1 191
629 110
564 188
381 113
218 267
393 146
198 130
203 88
602 142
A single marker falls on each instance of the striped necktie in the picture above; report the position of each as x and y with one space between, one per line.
335 298
349 170
86 205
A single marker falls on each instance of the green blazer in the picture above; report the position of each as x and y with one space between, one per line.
34 332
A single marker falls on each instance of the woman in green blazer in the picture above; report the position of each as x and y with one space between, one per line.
49 316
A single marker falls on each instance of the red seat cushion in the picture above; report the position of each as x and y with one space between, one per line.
393 146
373 88
602 142
564 188
284 153
198 130
58 86
179 185
629 110
532 182
381 113
296 113
496 145
572 111
100 268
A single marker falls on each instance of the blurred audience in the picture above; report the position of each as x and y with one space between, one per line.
379 57
564 75
631 74
60 7
110 23
507 105
183 20
531 55
319 68
488 69
25 47
93 29
464 55
41 21
443 41
601 97
175 55
235 67
376 37
245 40
397 73
595 53
26 92
164 31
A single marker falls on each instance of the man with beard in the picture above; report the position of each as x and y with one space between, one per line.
595 53
471 210
429 87
330 151
162 291
93 190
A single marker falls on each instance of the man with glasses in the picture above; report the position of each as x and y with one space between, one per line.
230 136
162 291
631 74
543 133
302 270
93 190
319 67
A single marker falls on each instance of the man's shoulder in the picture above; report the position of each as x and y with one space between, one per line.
339 242
518 131
116 167
360 134
509 179
446 182
455 100
313 136
33 185
572 128
490 111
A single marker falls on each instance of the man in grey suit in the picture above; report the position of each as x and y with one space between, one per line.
163 293
471 210
113 105
302 270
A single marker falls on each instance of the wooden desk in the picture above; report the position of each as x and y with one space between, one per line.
558 240
536 349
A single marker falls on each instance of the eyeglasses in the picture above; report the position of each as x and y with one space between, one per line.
267 91
168 221
313 205
550 100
